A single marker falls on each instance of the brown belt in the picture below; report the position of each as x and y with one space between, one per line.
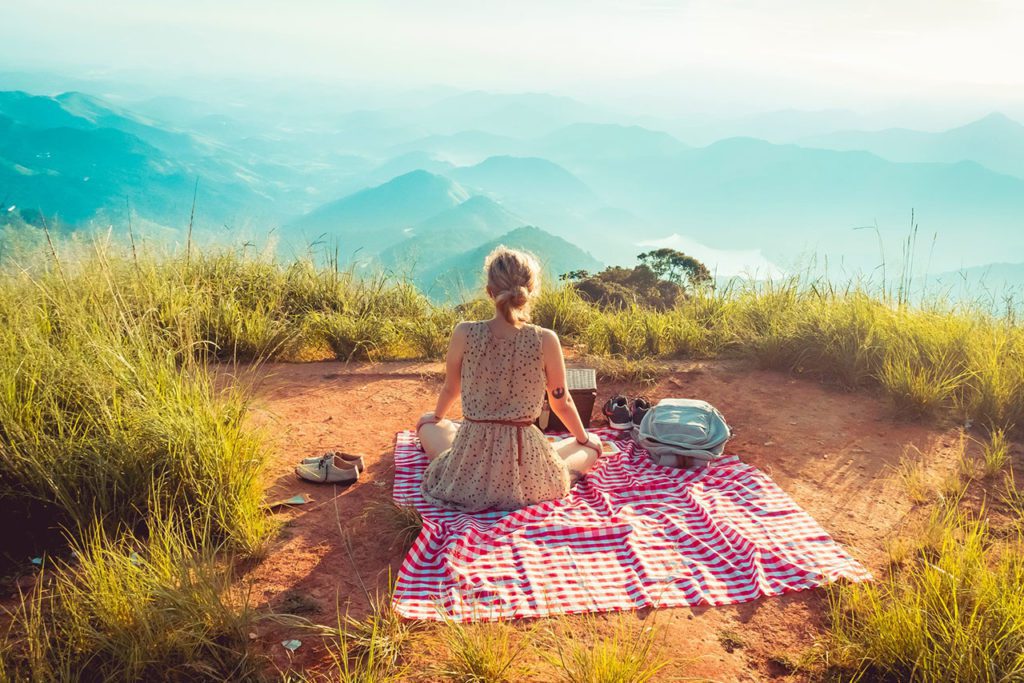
520 425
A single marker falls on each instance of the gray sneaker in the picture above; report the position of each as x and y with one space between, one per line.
328 470
617 412
356 460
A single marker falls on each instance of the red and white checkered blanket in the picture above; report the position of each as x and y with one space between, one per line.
630 535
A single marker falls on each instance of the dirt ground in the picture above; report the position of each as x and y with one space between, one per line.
832 450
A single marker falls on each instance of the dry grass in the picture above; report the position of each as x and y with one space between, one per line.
482 653
402 523
581 654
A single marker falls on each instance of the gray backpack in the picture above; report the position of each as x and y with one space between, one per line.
690 429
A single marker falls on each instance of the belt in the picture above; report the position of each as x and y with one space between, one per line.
520 425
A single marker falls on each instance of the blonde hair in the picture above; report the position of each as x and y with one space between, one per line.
513 280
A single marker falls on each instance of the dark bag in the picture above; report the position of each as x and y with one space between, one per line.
582 386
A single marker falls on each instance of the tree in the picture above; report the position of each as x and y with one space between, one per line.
677 267
574 276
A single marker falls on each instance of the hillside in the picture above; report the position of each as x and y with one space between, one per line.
476 220
463 273
373 219
76 159
887 489
525 181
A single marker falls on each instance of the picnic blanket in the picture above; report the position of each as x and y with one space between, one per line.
630 535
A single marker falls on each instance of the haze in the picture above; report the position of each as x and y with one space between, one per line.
702 56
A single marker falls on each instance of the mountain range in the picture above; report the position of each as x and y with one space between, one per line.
430 229
422 189
996 142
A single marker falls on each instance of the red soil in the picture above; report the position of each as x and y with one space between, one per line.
833 451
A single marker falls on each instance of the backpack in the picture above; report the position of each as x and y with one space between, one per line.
685 427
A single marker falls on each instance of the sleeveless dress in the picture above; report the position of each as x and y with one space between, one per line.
493 463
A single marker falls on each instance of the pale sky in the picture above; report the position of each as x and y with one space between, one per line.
802 53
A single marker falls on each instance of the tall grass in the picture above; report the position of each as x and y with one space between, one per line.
954 613
112 431
99 408
929 359
136 609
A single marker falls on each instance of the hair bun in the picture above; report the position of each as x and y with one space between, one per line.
513 278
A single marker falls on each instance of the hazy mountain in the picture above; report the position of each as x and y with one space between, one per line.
406 163
474 221
782 126
461 275
464 147
525 181
75 158
995 141
373 219
787 200
605 140
991 283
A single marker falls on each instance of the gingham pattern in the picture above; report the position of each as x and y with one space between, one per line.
630 535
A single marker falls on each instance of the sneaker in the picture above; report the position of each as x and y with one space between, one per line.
356 460
617 412
328 469
640 407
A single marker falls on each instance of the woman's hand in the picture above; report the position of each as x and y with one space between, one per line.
427 419
592 442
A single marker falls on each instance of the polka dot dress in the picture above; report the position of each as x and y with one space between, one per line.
489 466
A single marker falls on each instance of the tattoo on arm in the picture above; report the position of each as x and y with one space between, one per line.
558 392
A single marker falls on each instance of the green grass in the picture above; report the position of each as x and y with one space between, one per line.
954 613
103 416
995 453
129 608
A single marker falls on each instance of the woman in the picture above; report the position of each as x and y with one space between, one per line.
498 459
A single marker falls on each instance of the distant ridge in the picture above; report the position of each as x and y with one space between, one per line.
995 141
525 180
373 219
603 140
462 275
448 233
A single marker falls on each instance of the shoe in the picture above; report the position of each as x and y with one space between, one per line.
328 469
356 460
617 412
640 407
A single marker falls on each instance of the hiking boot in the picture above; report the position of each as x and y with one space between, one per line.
617 412
640 407
328 469
356 460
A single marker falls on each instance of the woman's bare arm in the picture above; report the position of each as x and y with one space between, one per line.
558 394
452 375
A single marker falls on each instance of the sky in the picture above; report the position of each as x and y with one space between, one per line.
736 54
